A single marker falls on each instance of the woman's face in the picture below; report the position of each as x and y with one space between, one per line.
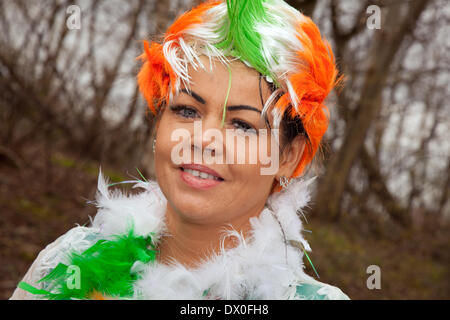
232 191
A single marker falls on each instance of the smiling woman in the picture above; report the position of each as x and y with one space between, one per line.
215 224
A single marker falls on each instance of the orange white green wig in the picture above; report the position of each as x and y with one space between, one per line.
270 36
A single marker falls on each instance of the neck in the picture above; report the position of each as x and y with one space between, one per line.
190 242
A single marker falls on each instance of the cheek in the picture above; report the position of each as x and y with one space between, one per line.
164 144
256 178
260 156
250 148
251 174
250 188
253 177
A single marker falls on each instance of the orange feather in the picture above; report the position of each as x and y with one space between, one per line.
156 74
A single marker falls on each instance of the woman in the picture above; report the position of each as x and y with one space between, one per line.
212 226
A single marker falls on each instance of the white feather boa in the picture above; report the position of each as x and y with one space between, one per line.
263 266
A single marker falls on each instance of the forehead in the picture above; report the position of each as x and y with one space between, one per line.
212 82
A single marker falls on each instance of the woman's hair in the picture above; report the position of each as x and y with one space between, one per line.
290 127
270 36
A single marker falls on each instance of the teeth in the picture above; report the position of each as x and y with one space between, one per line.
195 172
200 174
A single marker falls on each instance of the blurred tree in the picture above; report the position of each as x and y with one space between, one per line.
77 87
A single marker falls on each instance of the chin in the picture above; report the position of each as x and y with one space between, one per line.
195 208
190 202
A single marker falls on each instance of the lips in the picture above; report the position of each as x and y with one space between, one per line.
201 168
199 176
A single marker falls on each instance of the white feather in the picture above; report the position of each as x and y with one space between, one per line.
261 266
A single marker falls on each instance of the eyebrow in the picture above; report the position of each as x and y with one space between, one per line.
194 95
229 108
242 107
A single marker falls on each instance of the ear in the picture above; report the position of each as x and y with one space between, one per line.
290 157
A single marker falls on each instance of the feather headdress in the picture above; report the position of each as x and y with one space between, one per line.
268 35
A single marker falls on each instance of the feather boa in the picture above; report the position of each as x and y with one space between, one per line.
262 266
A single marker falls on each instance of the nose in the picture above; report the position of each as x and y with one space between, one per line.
207 139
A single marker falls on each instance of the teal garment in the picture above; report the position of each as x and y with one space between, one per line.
309 292
319 291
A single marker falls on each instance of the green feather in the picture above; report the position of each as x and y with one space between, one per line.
226 97
105 267
141 175
241 39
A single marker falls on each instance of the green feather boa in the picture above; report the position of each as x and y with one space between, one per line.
106 268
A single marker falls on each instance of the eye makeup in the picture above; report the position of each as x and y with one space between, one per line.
243 125
185 111
189 112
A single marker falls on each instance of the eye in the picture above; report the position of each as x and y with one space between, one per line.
244 126
184 111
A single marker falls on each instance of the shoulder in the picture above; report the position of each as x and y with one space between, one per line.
76 239
311 289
